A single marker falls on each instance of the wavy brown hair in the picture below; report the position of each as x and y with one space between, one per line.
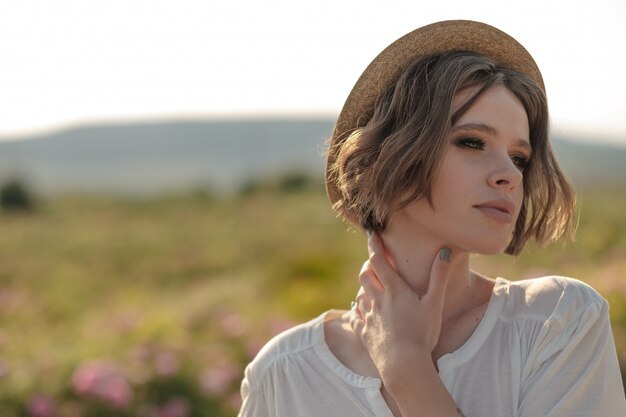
392 161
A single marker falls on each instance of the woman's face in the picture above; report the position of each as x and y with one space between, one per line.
478 191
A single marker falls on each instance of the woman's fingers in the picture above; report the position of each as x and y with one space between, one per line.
356 322
360 307
438 283
387 275
369 280
388 315
362 301
368 288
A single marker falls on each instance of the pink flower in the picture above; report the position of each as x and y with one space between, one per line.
279 324
232 324
234 401
174 407
126 321
217 380
103 380
41 406
4 369
140 353
253 347
166 363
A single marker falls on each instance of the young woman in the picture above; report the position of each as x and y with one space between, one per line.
440 151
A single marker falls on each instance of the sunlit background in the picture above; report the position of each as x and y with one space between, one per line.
163 210
65 62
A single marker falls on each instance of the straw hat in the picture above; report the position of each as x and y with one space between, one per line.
386 68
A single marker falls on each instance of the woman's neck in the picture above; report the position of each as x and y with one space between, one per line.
412 253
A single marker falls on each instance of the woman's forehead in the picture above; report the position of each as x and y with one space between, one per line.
497 111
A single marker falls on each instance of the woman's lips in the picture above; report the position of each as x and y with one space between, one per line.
496 214
498 210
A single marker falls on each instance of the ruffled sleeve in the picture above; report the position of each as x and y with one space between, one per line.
572 368
253 397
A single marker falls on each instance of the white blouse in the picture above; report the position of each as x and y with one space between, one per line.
544 348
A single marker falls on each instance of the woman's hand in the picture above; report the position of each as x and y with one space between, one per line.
395 324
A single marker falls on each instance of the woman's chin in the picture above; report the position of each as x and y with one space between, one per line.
488 248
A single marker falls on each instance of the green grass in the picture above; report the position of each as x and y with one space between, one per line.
205 280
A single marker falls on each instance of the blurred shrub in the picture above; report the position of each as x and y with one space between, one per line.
293 182
14 196
153 307
285 183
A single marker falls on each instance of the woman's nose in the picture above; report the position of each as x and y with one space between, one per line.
505 174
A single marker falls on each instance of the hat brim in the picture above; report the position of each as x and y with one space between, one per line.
386 68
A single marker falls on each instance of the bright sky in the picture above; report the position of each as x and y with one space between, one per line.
70 61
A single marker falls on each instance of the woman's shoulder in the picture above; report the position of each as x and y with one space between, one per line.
285 345
554 297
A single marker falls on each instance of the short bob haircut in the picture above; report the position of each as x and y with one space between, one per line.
392 161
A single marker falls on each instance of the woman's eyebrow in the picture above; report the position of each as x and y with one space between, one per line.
476 126
524 144
491 131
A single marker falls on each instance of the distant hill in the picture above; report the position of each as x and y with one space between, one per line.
147 158
591 163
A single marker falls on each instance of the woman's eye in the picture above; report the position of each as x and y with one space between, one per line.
520 161
472 143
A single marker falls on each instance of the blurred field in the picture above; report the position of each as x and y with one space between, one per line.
113 307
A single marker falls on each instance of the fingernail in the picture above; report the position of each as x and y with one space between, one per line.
445 254
352 305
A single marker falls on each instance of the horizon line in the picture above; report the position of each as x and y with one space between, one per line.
585 136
